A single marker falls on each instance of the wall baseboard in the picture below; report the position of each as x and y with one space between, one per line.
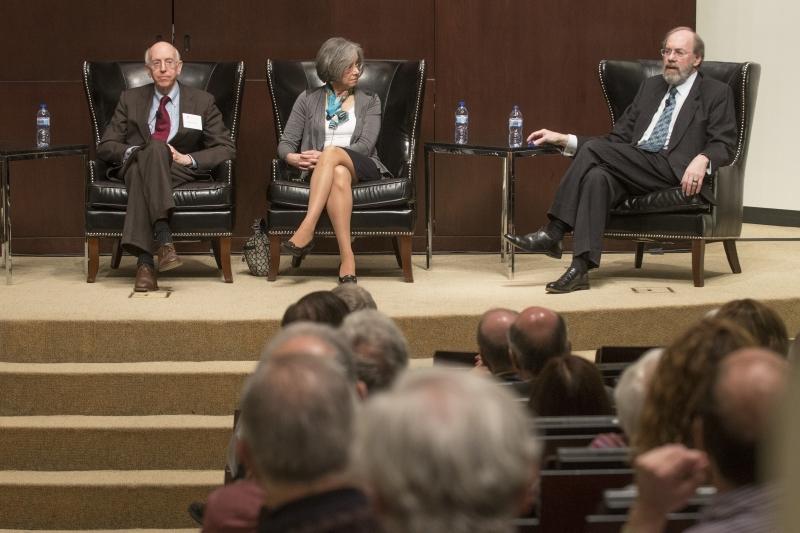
772 217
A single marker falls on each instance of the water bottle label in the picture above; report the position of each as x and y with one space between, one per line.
461 119
43 121
515 123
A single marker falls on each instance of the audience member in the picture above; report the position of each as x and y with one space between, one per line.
629 396
730 429
446 451
493 350
569 386
675 396
235 507
354 296
761 321
298 413
317 306
537 335
380 349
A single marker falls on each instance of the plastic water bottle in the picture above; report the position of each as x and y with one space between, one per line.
43 127
462 123
515 128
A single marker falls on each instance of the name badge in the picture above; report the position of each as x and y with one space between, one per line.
193 122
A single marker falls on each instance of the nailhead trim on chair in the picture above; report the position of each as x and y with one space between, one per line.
329 233
676 236
119 234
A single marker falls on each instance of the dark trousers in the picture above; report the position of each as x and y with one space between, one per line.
600 176
149 177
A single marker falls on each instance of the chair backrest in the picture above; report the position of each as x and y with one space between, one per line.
103 83
399 84
620 81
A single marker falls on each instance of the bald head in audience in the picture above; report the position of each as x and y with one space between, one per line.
537 335
493 341
446 451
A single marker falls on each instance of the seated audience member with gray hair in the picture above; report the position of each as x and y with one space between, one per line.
235 507
446 451
732 427
380 349
629 395
298 413
354 296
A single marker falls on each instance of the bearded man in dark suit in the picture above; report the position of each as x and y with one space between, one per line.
679 127
161 136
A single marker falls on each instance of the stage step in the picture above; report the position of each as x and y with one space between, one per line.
167 442
152 388
115 500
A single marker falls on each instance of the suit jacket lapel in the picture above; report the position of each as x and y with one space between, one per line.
187 105
142 114
687 113
649 108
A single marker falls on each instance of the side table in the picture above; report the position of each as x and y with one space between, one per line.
509 156
9 154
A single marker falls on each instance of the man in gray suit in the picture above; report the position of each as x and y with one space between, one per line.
161 135
679 127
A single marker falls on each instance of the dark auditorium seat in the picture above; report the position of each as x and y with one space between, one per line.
384 208
668 216
204 209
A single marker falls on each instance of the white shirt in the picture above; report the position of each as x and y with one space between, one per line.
343 134
680 98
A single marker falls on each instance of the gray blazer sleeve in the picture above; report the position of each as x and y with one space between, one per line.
365 143
293 132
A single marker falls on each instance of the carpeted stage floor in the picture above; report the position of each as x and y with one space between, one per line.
50 308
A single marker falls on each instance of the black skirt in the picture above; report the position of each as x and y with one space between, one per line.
366 169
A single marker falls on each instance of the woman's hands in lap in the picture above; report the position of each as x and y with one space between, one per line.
306 160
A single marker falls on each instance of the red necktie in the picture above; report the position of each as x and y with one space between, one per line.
161 131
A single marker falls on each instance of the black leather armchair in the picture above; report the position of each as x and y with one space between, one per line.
204 209
380 208
668 216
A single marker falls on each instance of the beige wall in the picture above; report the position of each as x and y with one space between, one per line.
766 32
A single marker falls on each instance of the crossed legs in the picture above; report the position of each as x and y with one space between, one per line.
331 189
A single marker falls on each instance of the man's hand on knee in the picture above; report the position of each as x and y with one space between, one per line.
693 176
181 159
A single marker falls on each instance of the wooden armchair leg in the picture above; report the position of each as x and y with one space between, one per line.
396 248
698 261
732 255
274 256
639 255
116 253
224 244
93 253
404 242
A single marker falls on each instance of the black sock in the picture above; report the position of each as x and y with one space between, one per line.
162 232
556 228
579 263
145 259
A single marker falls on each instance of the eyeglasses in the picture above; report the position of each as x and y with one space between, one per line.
679 52
355 66
168 64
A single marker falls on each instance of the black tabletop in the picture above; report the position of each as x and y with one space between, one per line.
490 149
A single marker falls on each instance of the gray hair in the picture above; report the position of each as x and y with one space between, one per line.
147 52
337 344
631 390
354 296
335 55
446 451
381 350
699 45
298 415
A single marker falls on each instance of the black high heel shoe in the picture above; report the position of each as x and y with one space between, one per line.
348 278
297 252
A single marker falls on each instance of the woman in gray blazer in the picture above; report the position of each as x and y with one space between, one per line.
331 135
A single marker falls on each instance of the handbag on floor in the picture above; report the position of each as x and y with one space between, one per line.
256 249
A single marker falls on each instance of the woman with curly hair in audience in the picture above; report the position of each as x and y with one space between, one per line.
676 391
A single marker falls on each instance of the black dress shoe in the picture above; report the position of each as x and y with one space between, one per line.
571 280
196 511
295 251
538 241
348 278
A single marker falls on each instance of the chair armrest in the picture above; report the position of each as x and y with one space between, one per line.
283 171
223 172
